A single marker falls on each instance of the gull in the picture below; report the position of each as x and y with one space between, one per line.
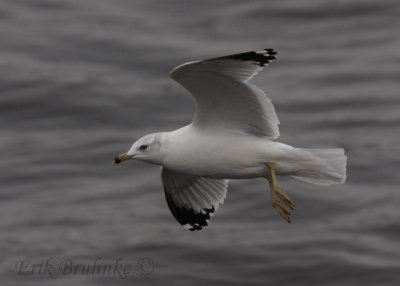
231 137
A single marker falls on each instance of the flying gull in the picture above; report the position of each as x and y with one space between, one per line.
231 137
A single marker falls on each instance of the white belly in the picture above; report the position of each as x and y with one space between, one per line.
216 167
212 155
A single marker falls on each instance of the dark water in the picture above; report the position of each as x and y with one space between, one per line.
81 80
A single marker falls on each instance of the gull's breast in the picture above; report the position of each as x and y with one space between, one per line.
216 156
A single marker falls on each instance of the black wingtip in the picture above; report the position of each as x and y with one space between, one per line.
271 51
261 58
189 218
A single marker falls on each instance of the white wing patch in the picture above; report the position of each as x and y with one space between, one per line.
225 100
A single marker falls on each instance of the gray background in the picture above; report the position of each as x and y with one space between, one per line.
81 80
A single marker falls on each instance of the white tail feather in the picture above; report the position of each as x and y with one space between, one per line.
328 168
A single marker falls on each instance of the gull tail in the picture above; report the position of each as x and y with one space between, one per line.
328 167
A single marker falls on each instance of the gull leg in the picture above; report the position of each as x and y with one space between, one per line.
280 201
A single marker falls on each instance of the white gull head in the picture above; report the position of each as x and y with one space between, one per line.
148 149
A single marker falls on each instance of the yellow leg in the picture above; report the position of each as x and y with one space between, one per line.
280 201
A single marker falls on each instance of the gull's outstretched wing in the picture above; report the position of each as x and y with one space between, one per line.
224 98
191 199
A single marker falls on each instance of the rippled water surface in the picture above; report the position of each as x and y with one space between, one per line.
81 80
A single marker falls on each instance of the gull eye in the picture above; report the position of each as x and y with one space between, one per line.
143 147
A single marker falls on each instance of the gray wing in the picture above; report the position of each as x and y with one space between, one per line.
192 199
224 98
